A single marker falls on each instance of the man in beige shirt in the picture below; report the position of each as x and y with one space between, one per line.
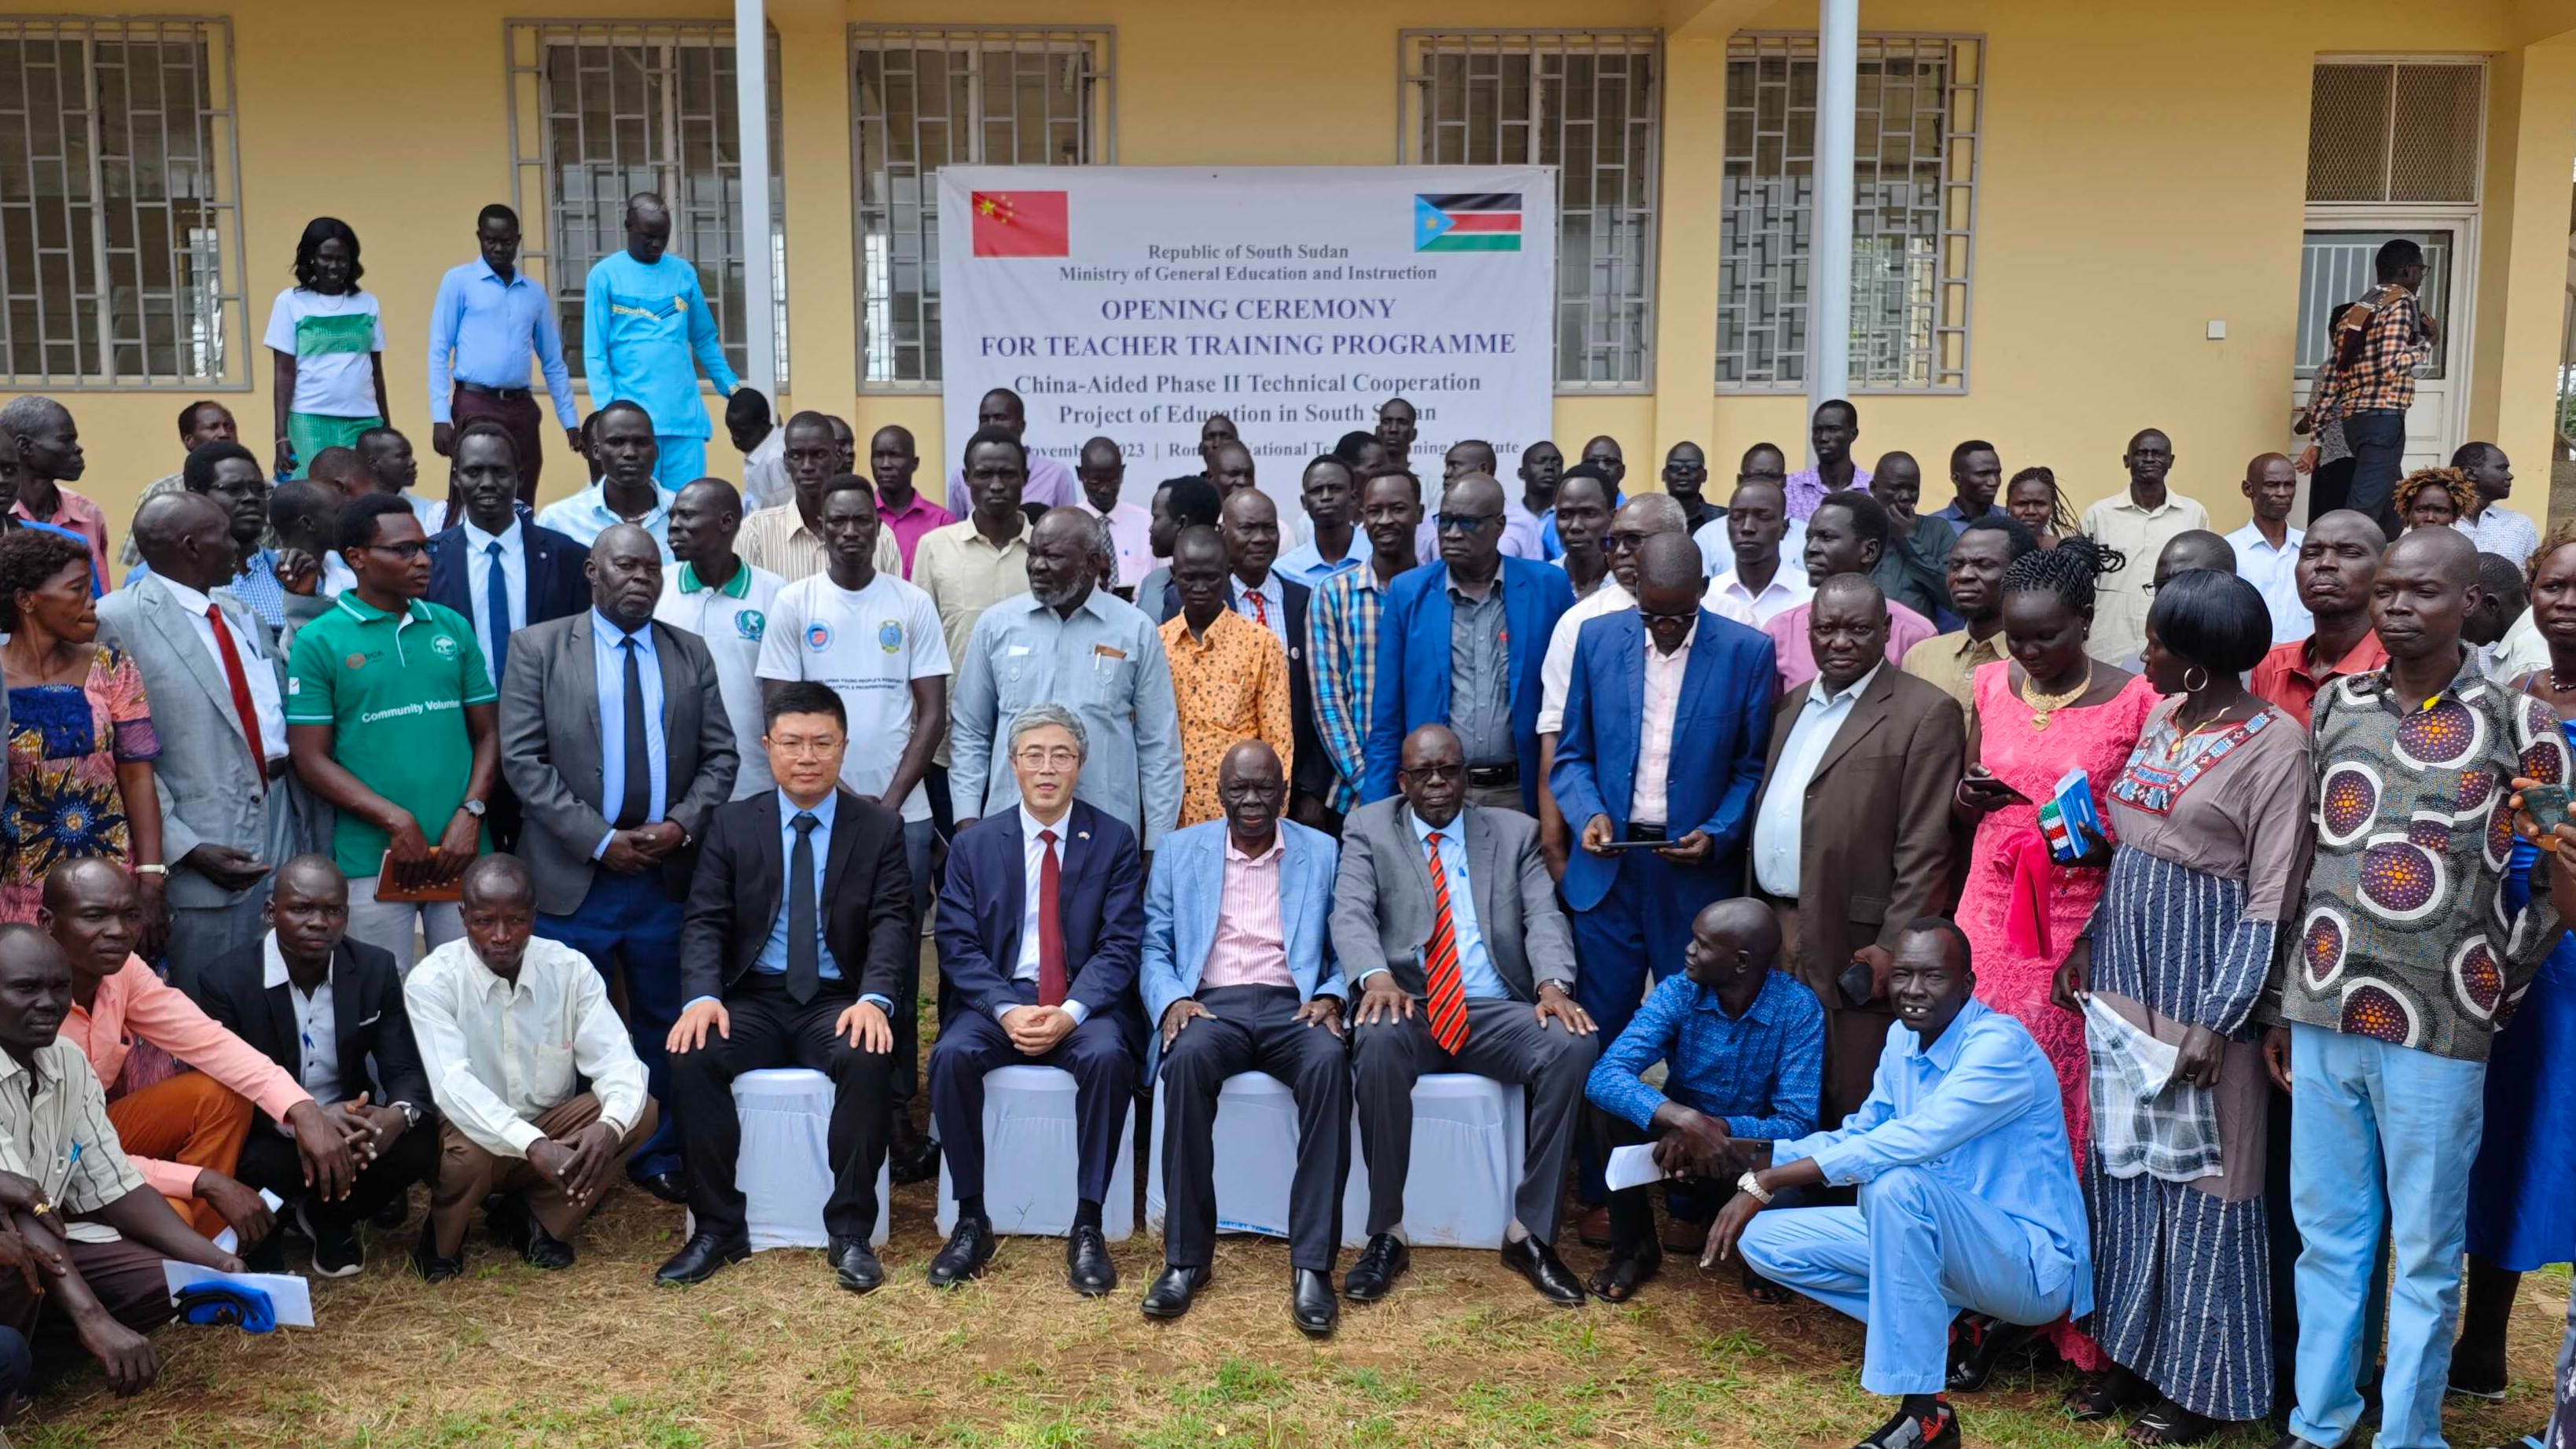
2138 523
788 540
1975 576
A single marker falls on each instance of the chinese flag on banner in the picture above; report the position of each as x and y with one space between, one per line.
1020 224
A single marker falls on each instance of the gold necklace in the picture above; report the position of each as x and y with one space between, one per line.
2043 705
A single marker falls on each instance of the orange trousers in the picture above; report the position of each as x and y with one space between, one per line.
191 1119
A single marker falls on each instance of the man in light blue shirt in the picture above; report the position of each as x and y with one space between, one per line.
643 318
1967 1187
625 451
1335 544
488 317
1070 642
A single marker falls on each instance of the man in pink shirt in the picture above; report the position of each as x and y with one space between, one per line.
892 460
1237 975
1845 535
49 454
184 1132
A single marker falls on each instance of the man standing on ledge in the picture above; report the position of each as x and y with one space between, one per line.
489 320
643 318
2379 341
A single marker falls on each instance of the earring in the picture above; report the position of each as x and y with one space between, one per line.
2191 688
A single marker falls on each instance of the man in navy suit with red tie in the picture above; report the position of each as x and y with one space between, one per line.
1040 933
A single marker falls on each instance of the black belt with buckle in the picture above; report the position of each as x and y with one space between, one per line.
504 394
1646 832
1493 777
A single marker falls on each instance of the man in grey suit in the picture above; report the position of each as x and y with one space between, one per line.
614 736
1445 919
216 682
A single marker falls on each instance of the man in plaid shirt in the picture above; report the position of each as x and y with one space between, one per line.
1341 629
2379 342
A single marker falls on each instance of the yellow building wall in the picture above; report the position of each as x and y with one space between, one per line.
2141 174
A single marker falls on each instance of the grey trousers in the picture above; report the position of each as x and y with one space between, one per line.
200 934
1505 1042
1498 797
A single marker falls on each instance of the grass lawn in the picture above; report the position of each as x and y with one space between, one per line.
770 1353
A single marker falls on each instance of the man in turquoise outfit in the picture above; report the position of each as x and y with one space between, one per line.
642 318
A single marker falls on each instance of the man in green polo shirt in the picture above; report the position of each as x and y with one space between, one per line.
392 720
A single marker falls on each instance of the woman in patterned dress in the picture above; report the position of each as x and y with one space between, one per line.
2212 816
80 734
2049 708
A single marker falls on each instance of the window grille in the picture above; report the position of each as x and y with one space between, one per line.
2394 132
1588 102
926 97
120 222
600 110
1918 107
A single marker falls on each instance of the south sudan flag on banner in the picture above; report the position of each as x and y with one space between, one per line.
1487 221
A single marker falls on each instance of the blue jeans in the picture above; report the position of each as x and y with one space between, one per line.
2378 442
627 920
683 462
2378 1133
1906 1261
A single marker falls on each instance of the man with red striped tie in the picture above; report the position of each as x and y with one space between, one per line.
1445 919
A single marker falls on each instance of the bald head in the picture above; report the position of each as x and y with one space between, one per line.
1653 513
498 880
90 879
1669 561
186 538
1736 933
1854 591
2445 552
2194 548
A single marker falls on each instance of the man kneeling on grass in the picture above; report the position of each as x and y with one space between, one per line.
1968 1202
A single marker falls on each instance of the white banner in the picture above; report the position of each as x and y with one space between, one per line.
1130 302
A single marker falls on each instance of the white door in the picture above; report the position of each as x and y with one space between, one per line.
2335 268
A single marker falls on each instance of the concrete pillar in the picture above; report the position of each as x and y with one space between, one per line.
1829 244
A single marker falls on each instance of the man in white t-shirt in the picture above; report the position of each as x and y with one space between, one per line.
719 596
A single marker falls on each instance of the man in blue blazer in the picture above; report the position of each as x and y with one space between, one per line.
1238 974
1038 941
1460 643
1667 719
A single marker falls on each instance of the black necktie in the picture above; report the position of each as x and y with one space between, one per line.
804 959
636 800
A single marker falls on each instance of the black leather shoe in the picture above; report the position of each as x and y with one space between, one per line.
1173 1289
913 1161
1086 1263
1538 1262
969 1248
1906 1431
1312 1304
701 1257
1977 1345
1381 1263
664 1185
855 1266
543 1249
426 1262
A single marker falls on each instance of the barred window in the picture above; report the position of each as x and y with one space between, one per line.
1588 102
120 223
2395 131
600 110
1914 209
957 95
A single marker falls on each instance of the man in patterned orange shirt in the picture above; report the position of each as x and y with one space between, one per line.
1229 675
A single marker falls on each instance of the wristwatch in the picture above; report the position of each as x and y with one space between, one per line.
1751 1185
411 1114
473 808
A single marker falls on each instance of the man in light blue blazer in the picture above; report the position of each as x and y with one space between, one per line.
1238 975
1667 720
1460 644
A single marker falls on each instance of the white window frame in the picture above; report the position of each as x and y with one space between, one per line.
97 321
1606 272
874 222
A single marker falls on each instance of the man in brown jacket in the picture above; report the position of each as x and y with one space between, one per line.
1851 833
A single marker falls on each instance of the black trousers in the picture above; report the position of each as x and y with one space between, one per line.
1101 1055
1254 1029
771 1030
269 1160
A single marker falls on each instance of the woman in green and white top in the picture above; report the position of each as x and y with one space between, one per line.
330 344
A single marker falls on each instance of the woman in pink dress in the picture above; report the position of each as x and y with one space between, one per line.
2048 709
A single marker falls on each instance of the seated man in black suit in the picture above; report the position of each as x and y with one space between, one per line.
799 936
1040 931
330 1010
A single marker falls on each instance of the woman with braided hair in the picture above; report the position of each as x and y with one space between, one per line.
2034 498
2048 708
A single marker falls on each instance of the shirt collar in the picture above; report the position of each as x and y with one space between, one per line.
822 813
275 973
1765 1001
193 600
917 505
1455 830
1816 690
366 613
1991 645
1678 656
737 587
2124 503
1945 1052
517 274
1090 603
1278 847
1269 585
606 628
1030 825
481 540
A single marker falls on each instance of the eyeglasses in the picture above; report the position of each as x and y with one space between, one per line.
1247 794
796 747
1465 522
1624 542
1040 757
1436 774
403 551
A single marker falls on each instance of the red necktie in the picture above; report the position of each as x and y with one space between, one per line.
1445 996
1050 926
241 694
1260 610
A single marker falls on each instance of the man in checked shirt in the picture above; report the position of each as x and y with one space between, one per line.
2379 342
